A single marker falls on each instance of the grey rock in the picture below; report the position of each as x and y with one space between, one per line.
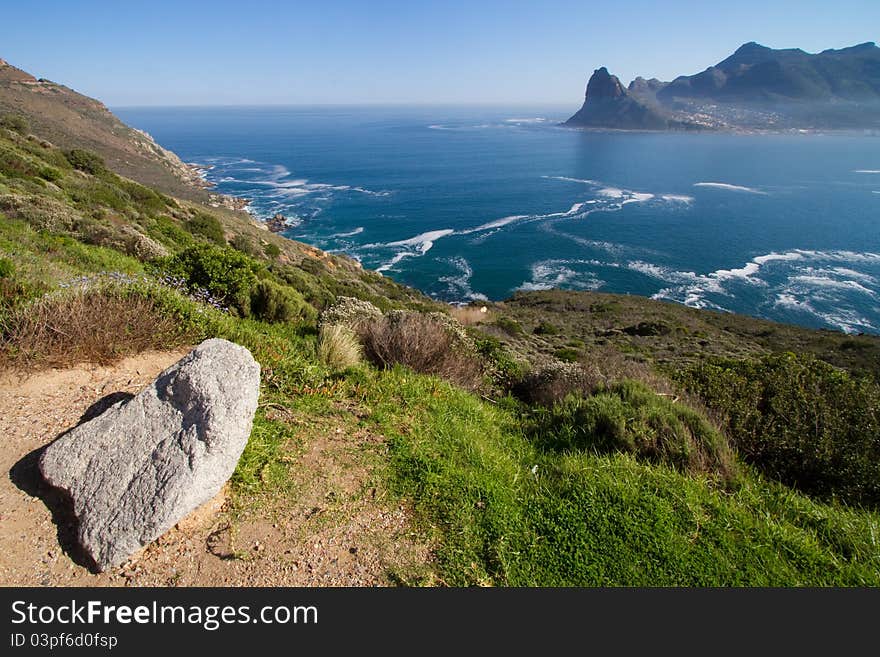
141 466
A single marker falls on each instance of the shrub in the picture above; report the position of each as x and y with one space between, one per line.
546 328
350 312
510 326
338 347
97 323
167 230
629 417
568 354
7 268
271 251
503 368
423 343
246 244
41 212
207 226
554 382
51 174
16 123
226 274
272 302
144 197
798 420
13 165
86 161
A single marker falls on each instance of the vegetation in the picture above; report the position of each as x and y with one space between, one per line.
628 417
799 421
339 347
424 343
682 448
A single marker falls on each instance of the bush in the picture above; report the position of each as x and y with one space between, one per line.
350 312
271 251
799 421
503 368
226 274
86 161
424 343
629 417
98 323
552 383
207 226
546 328
272 302
7 268
50 174
16 123
338 347
13 165
246 244
510 326
568 354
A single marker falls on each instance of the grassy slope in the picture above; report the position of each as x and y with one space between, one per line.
675 335
500 509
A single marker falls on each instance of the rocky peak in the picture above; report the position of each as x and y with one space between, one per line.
603 85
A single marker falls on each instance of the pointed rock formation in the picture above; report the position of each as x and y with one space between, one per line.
608 105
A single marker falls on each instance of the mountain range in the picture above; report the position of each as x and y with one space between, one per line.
756 87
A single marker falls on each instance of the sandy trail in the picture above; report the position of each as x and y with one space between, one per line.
333 531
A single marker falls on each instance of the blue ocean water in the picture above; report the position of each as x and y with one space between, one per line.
476 203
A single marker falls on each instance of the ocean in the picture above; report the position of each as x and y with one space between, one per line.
477 203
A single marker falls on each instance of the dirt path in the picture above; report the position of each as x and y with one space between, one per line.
333 527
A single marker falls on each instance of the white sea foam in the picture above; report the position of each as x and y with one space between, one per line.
638 197
459 285
813 281
424 241
370 192
548 274
574 180
497 223
537 119
866 171
677 198
729 187
795 283
351 233
414 246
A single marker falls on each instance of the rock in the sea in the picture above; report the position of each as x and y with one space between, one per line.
141 466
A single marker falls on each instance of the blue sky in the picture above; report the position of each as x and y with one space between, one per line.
390 51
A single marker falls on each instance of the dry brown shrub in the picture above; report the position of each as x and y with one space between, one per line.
93 325
425 344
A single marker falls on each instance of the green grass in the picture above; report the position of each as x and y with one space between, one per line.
503 512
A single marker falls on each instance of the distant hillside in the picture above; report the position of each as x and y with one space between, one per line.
608 105
755 73
756 88
71 120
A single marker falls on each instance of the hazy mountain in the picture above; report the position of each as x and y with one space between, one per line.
608 105
755 73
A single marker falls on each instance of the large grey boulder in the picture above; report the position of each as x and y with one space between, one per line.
138 468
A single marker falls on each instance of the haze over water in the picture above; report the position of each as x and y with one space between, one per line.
477 203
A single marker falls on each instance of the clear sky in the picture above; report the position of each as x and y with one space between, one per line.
394 51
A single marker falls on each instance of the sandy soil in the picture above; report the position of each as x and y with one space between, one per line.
333 529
